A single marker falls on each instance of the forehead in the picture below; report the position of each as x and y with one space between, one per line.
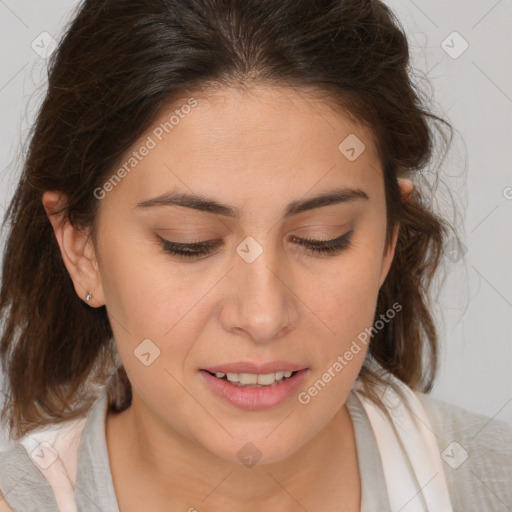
264 139
258 119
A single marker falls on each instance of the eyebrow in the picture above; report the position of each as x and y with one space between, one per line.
204 204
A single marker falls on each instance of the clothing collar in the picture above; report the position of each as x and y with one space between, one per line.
95 488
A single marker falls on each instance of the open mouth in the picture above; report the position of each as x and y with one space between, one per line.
251 391
251 380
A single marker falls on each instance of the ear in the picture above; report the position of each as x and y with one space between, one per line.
77 250
406 187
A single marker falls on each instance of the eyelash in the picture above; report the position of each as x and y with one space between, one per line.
195 250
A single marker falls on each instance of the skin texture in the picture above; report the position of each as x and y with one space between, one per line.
256 150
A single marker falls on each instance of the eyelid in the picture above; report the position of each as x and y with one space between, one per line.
191 242
202 249
316 241
215 242
190 245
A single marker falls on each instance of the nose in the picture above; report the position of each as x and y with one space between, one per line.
261 304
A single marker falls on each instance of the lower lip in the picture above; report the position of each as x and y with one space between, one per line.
255 398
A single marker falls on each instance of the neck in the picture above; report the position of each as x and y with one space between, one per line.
172 465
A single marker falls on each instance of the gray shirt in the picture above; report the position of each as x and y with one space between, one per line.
477 452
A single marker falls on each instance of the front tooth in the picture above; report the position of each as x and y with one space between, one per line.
220 375
266 379
279 375
233 377
287 374
248 378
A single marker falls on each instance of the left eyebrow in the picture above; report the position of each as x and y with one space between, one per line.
201 203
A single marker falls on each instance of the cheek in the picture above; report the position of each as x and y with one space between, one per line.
347 312
139 285
345 300
349 296
346 304
151 299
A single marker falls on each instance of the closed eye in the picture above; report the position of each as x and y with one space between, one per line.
206 247
333 246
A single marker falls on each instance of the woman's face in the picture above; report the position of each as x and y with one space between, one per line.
247 165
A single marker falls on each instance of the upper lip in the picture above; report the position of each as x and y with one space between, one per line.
260 369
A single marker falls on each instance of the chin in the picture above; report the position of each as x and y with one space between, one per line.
256 451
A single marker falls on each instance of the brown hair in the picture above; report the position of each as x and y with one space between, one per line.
118 65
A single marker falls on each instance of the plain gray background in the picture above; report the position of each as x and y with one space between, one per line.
464 48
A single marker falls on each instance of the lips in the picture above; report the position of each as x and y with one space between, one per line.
253 397
260 369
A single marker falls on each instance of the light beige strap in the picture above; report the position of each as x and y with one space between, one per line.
54 451
411 459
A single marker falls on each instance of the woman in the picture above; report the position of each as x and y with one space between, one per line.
215 284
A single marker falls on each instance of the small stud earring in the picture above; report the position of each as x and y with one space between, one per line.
89 296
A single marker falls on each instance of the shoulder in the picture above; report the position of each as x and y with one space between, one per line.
39 462
20 481
475 430
22 486
47 458
477 452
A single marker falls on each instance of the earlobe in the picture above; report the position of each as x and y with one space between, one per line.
77 251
